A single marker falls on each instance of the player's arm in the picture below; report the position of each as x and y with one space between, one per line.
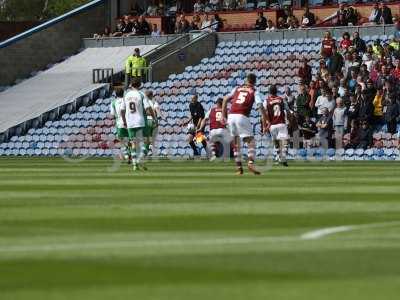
112 110
261 110
225 103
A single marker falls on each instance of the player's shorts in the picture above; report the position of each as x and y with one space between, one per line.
221 135
122 133
134 133
240 125
279 132
149 128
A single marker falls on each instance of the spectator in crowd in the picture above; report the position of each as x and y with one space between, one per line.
366 108
327 44
106 33
308 129
339 122
324 126
288 97
302 104
345 43
308 19
358 43
218 23
305 72
365 135
341 15
119 28
196 23
385 14
152 9
198 7
322 102
155 31
135 68
215 5
397 31
336 62
281 24
143 26
270 25
182 25
375 14
391 113
261 22
378 108
205 25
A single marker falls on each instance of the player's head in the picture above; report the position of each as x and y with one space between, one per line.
251 79
194 98
119 92
149 94
219 102
273 90
136 83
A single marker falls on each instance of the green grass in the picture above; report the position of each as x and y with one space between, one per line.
193 230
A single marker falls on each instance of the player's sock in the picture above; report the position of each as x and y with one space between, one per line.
194 148
283 153
213 149
204 143
252 155
238 160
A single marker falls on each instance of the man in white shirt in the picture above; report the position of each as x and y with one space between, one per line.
133 112
151 129
121 130
322 102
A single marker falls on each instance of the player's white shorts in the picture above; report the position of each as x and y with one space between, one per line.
240 125
221 135
279 132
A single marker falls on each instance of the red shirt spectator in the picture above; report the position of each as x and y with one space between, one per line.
396 71
345 43
327 45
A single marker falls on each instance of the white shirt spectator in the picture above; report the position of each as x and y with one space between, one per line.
339 116
156 33
205 25
198 7
152 10
323 102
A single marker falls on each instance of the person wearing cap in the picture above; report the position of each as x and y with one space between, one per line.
135 67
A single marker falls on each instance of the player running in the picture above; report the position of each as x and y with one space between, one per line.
218 131
133 111
151 129
277 110
122 132
242 100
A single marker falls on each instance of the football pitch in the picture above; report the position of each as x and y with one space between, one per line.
194 230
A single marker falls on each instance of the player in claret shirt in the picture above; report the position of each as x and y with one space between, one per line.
218 131
242 99
276 117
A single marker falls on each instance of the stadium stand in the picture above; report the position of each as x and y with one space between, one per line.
89 131
60 84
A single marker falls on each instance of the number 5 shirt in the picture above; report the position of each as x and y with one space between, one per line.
242 100
135 105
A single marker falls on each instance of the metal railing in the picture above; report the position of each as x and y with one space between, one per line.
104 75
304 33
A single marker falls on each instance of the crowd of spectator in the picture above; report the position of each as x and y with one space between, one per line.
356 91
205 18
346 15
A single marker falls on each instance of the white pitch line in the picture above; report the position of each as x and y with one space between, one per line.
312 235
148 243
320 233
